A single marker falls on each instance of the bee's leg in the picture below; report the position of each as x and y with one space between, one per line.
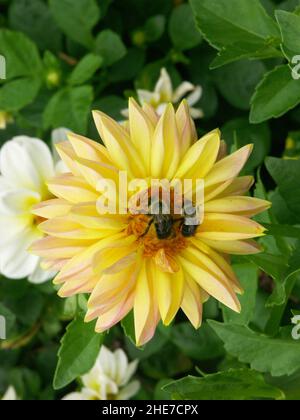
181 221
148 228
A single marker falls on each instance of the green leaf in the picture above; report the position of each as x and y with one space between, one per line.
277 93
235 384
283 231
227 22
289 24
21 54
128 327
154 28
290 385
110 46
248 277
18 93
240 131
85 69
202 344
244 50
278 356
32 17
286 174
76 19
69 108
237 81
10 319
78 352
182 28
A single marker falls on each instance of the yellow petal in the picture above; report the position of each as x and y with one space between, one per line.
142 302
151 114
115 314
221 263
165 153
246 247
62 227
207 146
52 208
72 189
141 132
228 167
224 227
243 206
57 248
238 186
88 149
169 294
121 150
93 172
192 302
186 127
221 291
68 156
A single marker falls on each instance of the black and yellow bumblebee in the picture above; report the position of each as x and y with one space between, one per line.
164 223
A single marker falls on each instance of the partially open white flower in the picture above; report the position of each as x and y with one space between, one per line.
164 93
108 379
26 164
10 395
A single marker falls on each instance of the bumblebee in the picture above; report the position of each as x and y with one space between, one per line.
190 222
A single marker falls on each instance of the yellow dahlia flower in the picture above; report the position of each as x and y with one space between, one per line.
119 259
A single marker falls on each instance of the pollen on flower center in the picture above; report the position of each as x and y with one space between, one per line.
139 226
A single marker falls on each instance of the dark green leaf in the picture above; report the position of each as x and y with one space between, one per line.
238 384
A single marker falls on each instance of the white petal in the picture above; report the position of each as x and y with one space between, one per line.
17 202
27 163
182 90
107 362
147 97
195 96
57 136
164 86
41 276
15 261
196 113
131 369
122 366
10 394
74 396
129 391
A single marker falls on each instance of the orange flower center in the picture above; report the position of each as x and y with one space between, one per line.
139 225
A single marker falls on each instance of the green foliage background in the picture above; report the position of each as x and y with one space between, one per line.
66 57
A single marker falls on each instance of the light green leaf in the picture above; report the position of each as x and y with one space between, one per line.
18 93
277 93
69 108
76 19
85 69
278 356
110 46
235 384
78 352
289 24
227 22
182 28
